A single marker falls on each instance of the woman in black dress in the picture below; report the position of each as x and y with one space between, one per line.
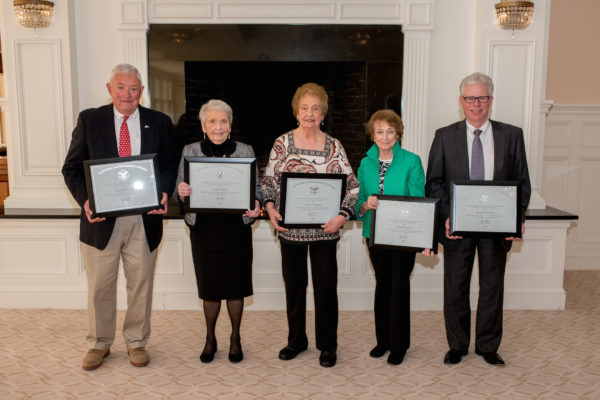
221 242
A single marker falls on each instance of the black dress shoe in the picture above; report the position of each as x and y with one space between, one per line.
287 353
378 351
491 357
236 357
208 356
327 359
396 358
454 356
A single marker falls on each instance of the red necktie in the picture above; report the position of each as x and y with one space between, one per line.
124 141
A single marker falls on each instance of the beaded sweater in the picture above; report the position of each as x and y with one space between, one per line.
285 157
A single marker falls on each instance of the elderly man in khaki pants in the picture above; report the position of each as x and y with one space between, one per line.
121 129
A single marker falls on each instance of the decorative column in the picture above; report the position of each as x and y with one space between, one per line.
417 29
133 27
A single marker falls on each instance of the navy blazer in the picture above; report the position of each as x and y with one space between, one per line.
93 138
449 160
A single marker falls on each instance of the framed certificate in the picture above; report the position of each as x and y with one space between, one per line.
405 223
123 185
310 200
485 209
220 184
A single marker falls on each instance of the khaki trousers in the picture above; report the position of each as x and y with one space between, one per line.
127 243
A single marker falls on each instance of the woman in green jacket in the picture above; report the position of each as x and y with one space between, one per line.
389 169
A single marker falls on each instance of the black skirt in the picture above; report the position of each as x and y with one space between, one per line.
222 253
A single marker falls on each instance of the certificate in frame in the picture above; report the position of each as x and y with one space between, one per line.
485 209
123 185
405 223
224 185
310 200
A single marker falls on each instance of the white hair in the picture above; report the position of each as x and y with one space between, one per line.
219 105
477 78
125 69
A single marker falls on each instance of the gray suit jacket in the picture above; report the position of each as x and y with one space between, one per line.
449 160
242 150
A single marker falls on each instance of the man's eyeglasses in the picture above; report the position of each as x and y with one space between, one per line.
471 99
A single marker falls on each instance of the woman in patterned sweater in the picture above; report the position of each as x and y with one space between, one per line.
308 149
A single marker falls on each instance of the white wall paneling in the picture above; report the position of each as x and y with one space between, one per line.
511 68
571 168
518 67
41 154
53 277
41 89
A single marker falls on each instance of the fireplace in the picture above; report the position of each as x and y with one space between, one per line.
257 68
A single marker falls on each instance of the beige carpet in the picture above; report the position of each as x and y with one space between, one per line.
549 355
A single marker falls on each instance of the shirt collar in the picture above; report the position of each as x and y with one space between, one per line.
132 117
483 128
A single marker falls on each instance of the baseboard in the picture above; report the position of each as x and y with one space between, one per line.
349 300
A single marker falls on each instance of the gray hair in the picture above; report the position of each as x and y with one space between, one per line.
477 78
125 69
218 105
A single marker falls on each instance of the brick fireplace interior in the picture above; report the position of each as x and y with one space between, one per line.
257 68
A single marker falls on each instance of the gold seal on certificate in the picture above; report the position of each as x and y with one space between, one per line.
404 223
122 185
220 184
310 200
485 209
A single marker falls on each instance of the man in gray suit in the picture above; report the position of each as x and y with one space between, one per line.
476 148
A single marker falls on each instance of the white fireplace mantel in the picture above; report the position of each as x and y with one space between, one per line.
415 16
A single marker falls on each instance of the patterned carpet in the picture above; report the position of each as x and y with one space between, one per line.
549 355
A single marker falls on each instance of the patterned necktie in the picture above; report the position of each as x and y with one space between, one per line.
124 141
477 167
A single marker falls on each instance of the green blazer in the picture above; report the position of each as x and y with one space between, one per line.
404 177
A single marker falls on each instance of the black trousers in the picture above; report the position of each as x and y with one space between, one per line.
323 263
393 269
458 267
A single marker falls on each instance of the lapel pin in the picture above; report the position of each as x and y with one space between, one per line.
146 126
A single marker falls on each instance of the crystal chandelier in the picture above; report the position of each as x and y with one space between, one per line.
34 13
514 14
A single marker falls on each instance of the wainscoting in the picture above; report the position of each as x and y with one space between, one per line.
41 267
571 174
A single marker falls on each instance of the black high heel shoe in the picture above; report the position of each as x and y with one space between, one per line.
236 357
208 356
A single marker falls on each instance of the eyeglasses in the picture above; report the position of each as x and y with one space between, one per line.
471 99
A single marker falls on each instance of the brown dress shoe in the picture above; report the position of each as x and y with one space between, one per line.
138 357
94 358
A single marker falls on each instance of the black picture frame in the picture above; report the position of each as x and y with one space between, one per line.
222 194
119 185
430 203
288 210
482 211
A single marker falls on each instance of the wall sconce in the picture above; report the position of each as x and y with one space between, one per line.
34 13
514 15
